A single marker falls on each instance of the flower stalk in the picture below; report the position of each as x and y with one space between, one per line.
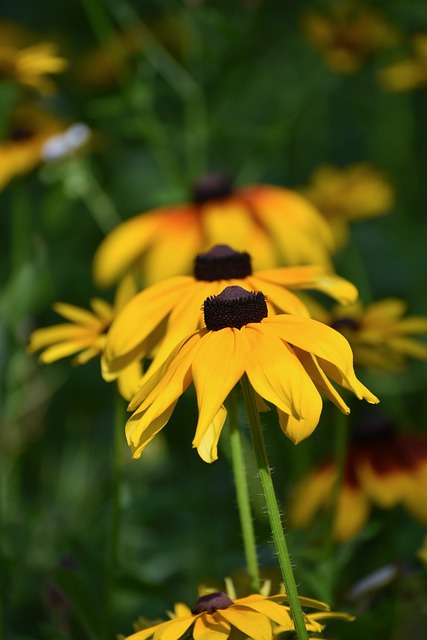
242 494
273 509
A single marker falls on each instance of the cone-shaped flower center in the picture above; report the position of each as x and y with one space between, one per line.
211 602
21 133
212 186
222 263
234 307
373 428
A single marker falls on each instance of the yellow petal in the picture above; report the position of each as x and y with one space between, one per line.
254 625
276 612
281 298
142 314
228 221
129 379
174 629
385 489
77 315
218 364
207 628
310 495
297 430
319 378
62 350
65 332
208 447
273 370
352 513
140 429
103 310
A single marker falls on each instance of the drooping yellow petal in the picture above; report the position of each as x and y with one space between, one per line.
142 314
207 628
174 629
352 513
297 430
129 379
140 429
218 364
208 447
276 612
312 493
254 625
320 380
273 370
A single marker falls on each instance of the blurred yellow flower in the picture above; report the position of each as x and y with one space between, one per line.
410 73
219 616
379 334
288 360
347 34
85 335
353 193
275 225
167 312
382 468
32 65
34 136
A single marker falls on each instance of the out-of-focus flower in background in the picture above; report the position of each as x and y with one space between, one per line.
347 34
409 73
85 335
165 313
380 334
383 468
342 195
27 62
34 136
276 226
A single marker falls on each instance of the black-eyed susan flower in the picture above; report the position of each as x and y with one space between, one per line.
218 616
34 136
85 335
276 225
288 360
380 334
31 66
383 468
409 73
347 34
345 194
168 311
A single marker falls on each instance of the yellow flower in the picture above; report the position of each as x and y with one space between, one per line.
33 136
348 34
383 468
274 224
167 312
218 616
410 73
85 335
287 359
31 65
354 193
379 334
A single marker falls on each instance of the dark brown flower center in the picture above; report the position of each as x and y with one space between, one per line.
373 428
19 134
340 324
211 602
222 263
234 307
212 186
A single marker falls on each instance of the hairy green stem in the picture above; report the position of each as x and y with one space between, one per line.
242 493
273 509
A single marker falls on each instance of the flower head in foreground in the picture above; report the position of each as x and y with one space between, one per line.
32 65
354 193
288 360
35 136
348 34
410 73
276 225
85 335
379 334
221 616
383 468
170 310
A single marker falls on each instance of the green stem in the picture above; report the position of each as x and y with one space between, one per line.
242 493
273 509
116 501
